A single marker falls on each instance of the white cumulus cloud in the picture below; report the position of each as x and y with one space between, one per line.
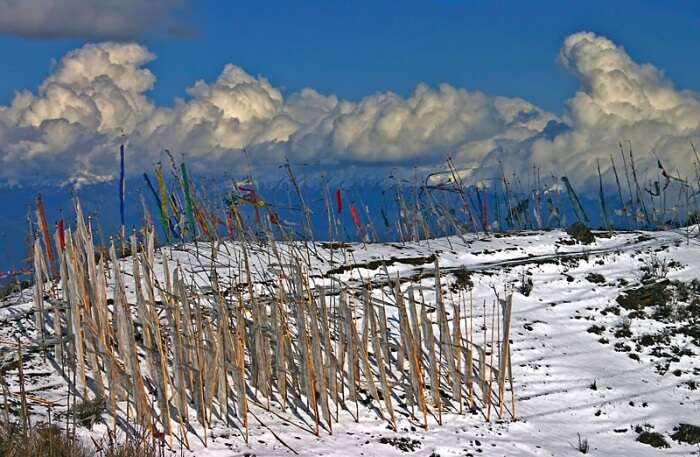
621 101
96 98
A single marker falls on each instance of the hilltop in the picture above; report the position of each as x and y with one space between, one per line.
603 339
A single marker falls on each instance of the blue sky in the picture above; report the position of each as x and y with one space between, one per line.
357 89
353 49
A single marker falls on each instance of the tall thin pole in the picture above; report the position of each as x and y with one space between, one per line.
122 191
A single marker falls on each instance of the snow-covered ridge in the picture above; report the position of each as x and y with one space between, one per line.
583 362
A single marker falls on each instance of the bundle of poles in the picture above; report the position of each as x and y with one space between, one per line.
166 351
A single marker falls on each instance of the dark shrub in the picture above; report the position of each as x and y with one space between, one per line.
687 433
580 233
654 439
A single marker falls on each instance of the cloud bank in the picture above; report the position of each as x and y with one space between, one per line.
70 128
101 19
621 101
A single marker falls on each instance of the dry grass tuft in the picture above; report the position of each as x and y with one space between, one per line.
51 441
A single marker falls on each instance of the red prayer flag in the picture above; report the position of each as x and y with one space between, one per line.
339 201
44 227
61 235
356 218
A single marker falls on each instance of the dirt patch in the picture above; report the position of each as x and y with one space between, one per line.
597 329
335 245
595 278
374 264
403 444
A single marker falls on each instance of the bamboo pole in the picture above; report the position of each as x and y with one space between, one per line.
415 365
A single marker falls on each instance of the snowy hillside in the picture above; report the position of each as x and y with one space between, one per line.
604 337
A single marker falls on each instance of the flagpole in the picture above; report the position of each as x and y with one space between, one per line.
122 189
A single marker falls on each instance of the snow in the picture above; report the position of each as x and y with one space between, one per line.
556 358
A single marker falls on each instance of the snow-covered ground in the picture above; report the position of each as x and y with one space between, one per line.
583 364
